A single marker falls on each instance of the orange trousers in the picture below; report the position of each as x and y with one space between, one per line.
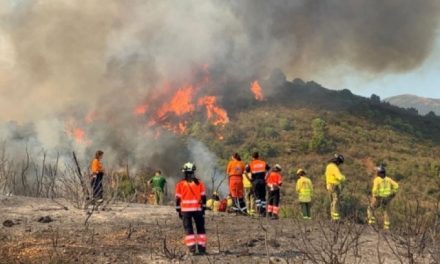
236 188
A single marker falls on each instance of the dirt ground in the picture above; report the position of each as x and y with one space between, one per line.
139 233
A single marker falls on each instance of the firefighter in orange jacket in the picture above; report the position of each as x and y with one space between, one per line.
191 205
274 181
258 169
96 176
235 171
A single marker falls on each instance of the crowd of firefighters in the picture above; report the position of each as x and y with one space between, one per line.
254 189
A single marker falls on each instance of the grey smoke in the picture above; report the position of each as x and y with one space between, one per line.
61 60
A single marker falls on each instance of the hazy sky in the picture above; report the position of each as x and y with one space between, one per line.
423 81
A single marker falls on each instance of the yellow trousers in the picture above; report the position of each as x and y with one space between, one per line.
335 193
382 203
249 198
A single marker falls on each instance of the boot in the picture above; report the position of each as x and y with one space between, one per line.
202 250
192 250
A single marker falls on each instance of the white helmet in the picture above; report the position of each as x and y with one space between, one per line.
277 167
188 167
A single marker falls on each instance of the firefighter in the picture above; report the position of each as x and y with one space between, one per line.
304 188
235 171
274 181
190 205
158 184
334 179
248 194
96 176
384 190
258 170
213 203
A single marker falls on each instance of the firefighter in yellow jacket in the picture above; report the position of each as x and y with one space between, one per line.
334 179
384 190
304 188
248 194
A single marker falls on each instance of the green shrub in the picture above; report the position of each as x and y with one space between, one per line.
126 187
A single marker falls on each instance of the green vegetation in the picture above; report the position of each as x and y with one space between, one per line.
304 124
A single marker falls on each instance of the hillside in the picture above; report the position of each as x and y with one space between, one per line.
423 105
303 124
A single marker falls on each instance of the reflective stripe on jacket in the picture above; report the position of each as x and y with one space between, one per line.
384 187
190 196
304 188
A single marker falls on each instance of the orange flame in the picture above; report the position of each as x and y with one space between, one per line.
257 91
180 104
176 112
213 111
79 135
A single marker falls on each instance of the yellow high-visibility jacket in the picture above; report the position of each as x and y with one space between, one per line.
333 175
384 187
246 182
304 188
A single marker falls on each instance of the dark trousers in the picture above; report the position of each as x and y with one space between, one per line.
259 186
192 240
97 186
305 208
274 197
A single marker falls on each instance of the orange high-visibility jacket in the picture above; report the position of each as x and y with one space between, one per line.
190 196
97 166
258 169
235 168
274 179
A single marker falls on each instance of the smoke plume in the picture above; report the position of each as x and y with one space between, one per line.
88 64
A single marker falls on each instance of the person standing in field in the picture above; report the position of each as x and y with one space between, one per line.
158 184
96 177
249 194
274 182
258 169
235 171
191 206
384 190
304 188
334 180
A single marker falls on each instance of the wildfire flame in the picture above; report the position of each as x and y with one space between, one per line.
175 111
180 104
79 135
257 91
218 114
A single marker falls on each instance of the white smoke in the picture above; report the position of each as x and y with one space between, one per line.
207 166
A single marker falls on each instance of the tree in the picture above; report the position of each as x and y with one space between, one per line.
320 141
375 98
